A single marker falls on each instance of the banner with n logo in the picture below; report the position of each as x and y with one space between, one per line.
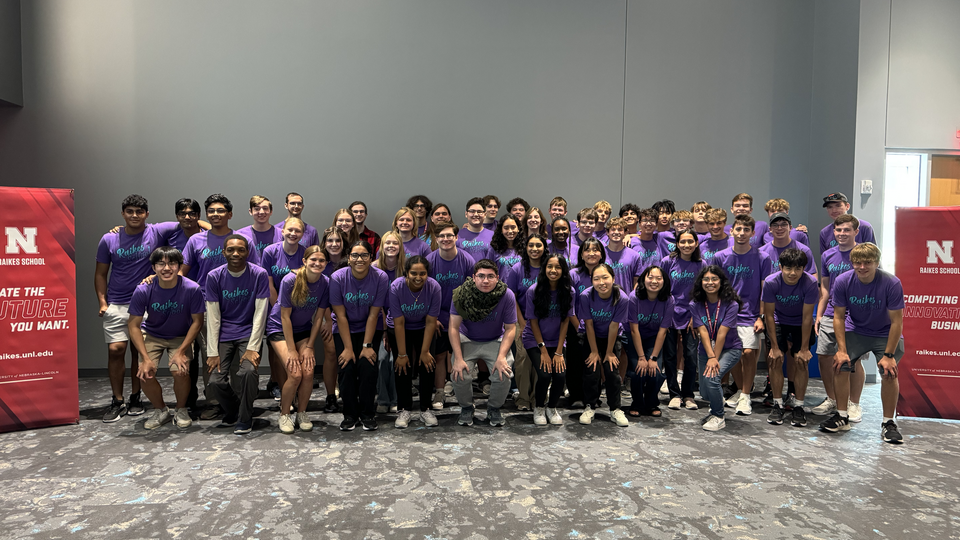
38 315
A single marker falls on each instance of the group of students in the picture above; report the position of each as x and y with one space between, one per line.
536 305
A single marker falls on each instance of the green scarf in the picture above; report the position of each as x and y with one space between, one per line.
474 305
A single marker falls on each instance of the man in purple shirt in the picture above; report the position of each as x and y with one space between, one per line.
238 298
474 239
782 240
491 205
717 239
125 257
294 206
747 268
645 243
742 205
261 233
836 205
483 319
174 308
782 206
873 299
587 221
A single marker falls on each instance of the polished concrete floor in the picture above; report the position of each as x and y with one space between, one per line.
658 478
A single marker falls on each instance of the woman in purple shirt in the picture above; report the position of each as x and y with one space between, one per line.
391 258
332 242
591 254
357 295
533 223
560 240
520 278
602 308
403 223
682 266
439 214
343 220
283 257
650 316
714 308
549 310
504 249
292 330
414 307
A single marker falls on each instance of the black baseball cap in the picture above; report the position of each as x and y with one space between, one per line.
780 215
834 197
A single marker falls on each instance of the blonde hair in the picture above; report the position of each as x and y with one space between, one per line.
400 213
865 252
301 286
603 205
303 227
616 222
381 261
352 236
681 214
715 214
701 206
777 205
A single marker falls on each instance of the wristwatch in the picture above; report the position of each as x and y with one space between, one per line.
888 355
541 345
368 345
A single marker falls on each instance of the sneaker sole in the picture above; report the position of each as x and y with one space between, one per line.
134 413
893 441
365 428
464 424
836 429
798 424
717 428
775 422
112 420
351 428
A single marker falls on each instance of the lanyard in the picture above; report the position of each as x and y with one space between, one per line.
713 325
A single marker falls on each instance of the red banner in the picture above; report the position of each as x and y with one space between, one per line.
38 313
927 251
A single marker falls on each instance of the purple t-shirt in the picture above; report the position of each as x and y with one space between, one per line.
774 252
416 246
549 325
788 300
204 252
301 317
828 240
357 296
581 280
666 241
833 263
414 308
759 230
626 266
519 283
278 264
492 326
237 296
310 235
649 315
798 236
709 248
648 251
475 244
129 258
169 312
868 304
682 274
746 273
567 252
492 226
709 316
450 275
602 312
260 240
504 261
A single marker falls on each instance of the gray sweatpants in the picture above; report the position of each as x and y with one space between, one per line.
486 351
237 398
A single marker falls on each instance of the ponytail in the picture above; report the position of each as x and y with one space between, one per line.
301 287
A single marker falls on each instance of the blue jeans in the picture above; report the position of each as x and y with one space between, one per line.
710 388
645 390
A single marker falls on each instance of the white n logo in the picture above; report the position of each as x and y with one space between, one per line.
17 241
936 250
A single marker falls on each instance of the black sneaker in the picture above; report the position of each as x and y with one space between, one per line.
227 422
135 406
331 406
275 392
776 415
242 428
890 433
369 424
348 424
798 418
115 411
835 423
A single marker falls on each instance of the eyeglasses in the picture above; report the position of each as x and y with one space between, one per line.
484 277
164 264
188 215
135 212
294 204
780 225
419 205
474 212
359 256
446 236
216 211
711 280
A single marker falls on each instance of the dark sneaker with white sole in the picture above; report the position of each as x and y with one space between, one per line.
890 433
776 415
135 405
116 410
798 418
835 423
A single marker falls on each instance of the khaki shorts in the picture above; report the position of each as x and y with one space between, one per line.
115 323
156 347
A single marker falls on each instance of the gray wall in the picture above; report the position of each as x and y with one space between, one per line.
378 100
11 87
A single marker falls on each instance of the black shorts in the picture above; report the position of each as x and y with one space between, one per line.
793 335
297 336
441 344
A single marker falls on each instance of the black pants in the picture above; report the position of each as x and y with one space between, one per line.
545 379
358 379
645 390
577 351
405 380
591 377
669 352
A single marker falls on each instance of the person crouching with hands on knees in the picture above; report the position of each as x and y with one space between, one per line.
483 321
714 306
873 299
238 297
175 307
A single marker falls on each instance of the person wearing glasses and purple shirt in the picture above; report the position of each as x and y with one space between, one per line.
294 206
474 239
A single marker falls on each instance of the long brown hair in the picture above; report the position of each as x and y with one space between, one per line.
301 287
353 235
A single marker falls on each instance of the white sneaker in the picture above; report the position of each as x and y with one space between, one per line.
829 406
539 416
664 389
485 388
428 418
733 400
620 418
744 406
675 404
854 412
438 397
403 420
714 423
554 416
448 388
689 404
587 417
286 424
625 394
158 418
303 421
182 418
